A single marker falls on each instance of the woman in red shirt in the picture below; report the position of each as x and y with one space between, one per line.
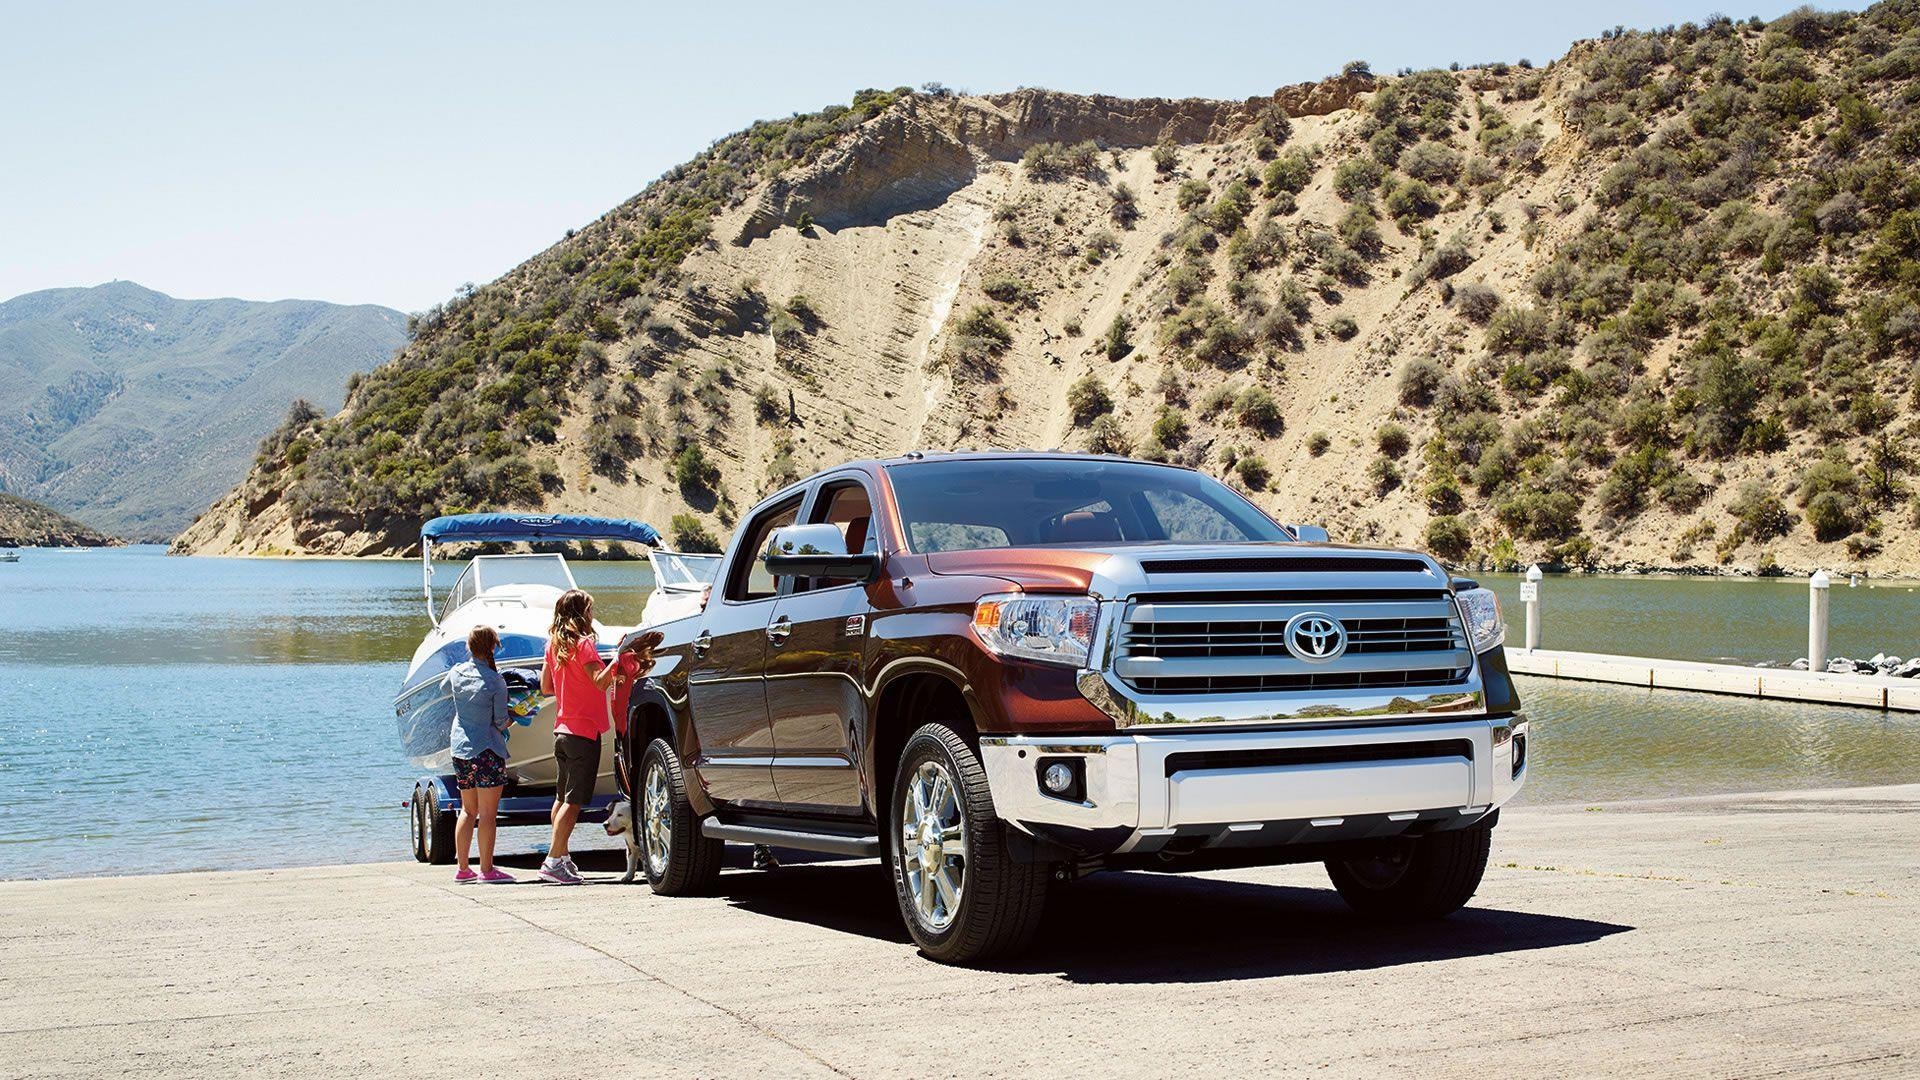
579 679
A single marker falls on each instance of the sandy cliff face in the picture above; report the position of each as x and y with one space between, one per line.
777 351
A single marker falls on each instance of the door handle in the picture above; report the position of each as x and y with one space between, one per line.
778 631
702 643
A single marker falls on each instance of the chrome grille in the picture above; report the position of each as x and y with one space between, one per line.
1218 645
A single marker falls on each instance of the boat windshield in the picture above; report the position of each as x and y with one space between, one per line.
680 572
970 503
500 570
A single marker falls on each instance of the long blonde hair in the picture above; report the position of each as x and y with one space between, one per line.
572 623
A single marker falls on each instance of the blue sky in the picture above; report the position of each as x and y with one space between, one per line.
386 153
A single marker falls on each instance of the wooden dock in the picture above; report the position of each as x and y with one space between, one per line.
1783 684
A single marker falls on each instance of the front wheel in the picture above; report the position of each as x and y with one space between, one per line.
962 895
1422 877
679 860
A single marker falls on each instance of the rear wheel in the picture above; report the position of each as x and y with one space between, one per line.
679 861
431 828
962 895
1422 877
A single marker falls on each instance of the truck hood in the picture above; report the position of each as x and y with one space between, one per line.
1077 569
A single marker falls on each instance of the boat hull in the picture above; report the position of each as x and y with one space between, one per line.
424 716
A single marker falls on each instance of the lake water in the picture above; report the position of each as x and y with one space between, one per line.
161 713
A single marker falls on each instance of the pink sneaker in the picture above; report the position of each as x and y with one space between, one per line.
462 877
496 876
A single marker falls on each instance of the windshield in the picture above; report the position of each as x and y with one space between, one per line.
682 572
965 505
498 570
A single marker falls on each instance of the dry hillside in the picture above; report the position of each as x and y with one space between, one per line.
1656 304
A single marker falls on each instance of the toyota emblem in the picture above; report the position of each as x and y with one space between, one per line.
1315 637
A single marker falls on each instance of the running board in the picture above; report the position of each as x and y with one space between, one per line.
864 847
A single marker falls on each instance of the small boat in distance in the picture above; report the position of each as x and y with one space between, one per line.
515 595
9 555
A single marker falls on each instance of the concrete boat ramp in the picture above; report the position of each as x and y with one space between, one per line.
1773 935
1869 691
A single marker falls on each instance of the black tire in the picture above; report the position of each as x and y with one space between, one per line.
1423 877
691 862
1000 898
432 829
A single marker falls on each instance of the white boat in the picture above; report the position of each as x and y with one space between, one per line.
9 555
515 595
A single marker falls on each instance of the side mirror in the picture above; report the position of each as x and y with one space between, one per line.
817 551
1307 534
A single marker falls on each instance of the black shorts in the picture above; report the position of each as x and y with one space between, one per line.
577 760
485 771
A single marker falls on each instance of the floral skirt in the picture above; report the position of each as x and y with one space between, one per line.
487 770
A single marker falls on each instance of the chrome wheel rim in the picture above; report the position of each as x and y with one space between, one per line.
933 846
657 818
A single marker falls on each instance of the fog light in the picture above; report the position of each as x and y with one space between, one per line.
1058 778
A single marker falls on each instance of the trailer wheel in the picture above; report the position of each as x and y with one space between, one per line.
431 828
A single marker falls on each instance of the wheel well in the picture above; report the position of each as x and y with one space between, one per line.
908 702
648 722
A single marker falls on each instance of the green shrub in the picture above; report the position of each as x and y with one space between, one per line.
1009 289
1214 400
1392 439
1187 281
1086 399
1361 230
1274 123
1449 538
1165 159
1443 496
1384 474
1231 208
1289 174
1419 381
1412 201
1256 408
1106 437
1759 513
766 404
1114 343
1170 428
1476 302
1192 194
1343 327
686 533
1356 178
983 324
1058 161
693 472
1317 443
1126 206
1830 492
1517 330
1253 472
1433 162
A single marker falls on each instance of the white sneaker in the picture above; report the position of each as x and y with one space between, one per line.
560 872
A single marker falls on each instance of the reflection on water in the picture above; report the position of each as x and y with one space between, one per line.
1594 741
161 714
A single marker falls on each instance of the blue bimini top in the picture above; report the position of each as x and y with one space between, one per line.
508 528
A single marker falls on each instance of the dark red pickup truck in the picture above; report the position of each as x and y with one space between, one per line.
995 670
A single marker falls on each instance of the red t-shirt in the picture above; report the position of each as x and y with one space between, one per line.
583 706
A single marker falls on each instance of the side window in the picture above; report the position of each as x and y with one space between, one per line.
846 505
748 578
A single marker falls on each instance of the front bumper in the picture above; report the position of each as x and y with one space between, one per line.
1186 791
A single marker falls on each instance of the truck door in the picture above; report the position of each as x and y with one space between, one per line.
815 657
727 680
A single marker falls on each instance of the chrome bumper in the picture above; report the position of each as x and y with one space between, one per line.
1135 796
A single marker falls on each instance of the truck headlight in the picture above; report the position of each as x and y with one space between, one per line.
1480 610
1051 629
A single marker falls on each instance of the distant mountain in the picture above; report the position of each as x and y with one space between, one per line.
133 411
28 524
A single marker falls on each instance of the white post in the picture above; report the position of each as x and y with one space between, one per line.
1817 587
1530 595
